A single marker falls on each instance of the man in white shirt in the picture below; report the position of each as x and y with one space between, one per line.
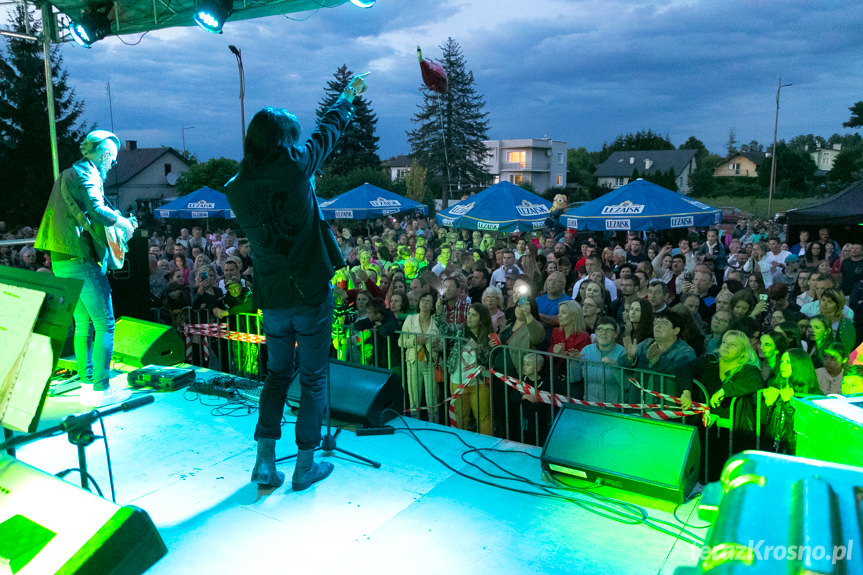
232 270
776 256
498 277
594 263
442 260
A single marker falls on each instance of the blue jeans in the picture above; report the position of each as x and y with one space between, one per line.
94 320
301 331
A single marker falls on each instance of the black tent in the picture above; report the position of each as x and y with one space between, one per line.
842 209
841 213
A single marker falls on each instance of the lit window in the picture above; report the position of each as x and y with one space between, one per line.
515 179
559 180
516 158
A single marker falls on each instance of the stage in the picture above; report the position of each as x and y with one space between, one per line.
186 460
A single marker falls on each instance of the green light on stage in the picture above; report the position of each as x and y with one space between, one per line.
91 26
21 539
248 353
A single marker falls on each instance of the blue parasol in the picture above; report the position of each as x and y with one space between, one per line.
366 202
641 206
202 203
503 207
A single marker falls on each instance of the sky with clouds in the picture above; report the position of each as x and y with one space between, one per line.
581 71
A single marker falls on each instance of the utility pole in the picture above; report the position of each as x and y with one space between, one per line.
773 159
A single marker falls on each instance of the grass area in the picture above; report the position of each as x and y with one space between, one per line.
758 206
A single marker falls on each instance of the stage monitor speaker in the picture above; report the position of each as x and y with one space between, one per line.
654 458
138 343
359 393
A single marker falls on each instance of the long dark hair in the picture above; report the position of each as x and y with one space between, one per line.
484 328
645 324
803 378
270 131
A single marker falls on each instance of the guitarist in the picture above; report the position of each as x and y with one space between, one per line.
76 209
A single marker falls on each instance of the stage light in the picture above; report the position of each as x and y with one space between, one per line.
363 3
91 26
212 14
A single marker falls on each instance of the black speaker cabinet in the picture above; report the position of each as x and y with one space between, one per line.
130 286
139 343
655 458
359 393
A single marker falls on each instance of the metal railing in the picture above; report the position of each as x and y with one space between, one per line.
428 386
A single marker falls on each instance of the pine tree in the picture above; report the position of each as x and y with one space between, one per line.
358 146
451 128
25 141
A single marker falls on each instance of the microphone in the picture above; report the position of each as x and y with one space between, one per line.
74 422
137 402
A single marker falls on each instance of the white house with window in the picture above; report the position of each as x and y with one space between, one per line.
144 177
397 166
824 157
542 162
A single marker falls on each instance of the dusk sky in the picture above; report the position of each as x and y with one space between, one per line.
578 71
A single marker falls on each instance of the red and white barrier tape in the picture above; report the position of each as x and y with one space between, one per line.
657 411
453 420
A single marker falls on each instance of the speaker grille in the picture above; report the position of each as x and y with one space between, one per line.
656 458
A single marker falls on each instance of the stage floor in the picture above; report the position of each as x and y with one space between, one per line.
186 460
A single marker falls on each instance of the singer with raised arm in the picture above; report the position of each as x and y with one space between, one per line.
295 255
84 233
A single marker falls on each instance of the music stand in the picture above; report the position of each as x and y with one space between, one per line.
53 321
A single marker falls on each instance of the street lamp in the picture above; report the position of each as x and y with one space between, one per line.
239 56
773 160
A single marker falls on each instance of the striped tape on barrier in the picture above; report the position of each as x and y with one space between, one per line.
657 411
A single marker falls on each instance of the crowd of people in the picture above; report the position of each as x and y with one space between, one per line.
737 310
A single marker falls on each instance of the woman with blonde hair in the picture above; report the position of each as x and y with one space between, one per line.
571 336
732 372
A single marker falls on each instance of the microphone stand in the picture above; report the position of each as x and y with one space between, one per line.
80 431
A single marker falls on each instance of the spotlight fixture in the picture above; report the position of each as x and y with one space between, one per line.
91 26
212 14
363 3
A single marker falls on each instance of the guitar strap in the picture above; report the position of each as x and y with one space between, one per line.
84 222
